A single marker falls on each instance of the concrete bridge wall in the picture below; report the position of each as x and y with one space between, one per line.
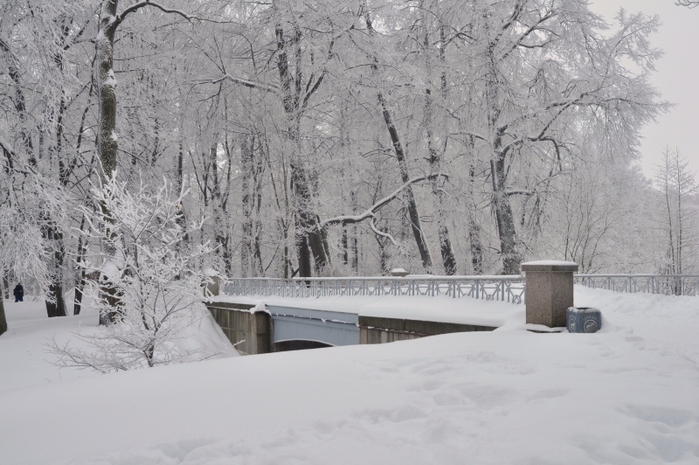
376 330
239 324
257 329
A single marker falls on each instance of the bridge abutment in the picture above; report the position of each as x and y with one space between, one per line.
239 323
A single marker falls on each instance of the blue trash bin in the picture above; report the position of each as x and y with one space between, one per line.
583 319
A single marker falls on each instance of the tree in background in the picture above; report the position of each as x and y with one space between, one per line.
546 74
679 202
23 254
288 121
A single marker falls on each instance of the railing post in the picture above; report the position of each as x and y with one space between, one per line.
549 287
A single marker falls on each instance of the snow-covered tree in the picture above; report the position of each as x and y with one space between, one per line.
283 116
24 254
680 219
157 278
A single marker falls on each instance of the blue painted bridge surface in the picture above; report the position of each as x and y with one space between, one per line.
327 327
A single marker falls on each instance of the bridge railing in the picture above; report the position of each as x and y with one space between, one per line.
502 288
648 283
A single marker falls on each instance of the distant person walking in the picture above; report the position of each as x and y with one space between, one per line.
19 293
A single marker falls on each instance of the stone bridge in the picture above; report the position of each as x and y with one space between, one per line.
272 328
286 314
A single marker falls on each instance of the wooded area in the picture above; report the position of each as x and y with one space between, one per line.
336 137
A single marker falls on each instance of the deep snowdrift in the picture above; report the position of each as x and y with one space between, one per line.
628 394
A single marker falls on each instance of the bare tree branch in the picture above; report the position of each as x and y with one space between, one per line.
371 211
139 5
378 232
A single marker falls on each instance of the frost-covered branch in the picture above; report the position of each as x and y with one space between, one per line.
378 232
244 83
371 211
144 3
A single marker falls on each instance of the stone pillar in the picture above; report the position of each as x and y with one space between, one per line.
549 291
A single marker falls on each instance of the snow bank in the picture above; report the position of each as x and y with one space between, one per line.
628 394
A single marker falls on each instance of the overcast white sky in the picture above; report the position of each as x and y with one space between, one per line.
676 77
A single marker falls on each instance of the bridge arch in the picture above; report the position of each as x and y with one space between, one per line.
313 326
298 344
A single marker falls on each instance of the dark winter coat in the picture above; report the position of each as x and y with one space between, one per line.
19 291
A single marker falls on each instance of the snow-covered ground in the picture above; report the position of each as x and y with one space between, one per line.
628 394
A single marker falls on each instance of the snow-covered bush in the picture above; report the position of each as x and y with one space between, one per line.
151 283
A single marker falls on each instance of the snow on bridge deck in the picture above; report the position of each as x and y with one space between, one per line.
440 309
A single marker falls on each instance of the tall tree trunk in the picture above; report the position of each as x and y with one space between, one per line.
257 227
106 88
181 217
81 272
309 240
107 145
246 157
504 218
474 228
55 305
511 259
5 286
413 213
251 198
219 197
435 159
435 156
3 318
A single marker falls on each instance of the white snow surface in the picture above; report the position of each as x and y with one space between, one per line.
628 394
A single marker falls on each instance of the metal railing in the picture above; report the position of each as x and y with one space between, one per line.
649 283
502 288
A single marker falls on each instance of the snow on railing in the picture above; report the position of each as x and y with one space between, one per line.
502 288
648 283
